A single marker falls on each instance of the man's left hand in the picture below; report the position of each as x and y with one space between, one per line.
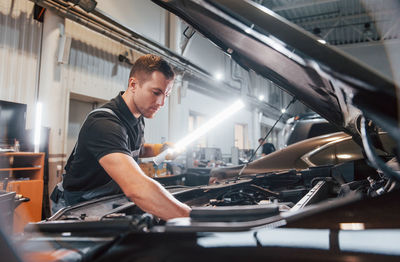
171 156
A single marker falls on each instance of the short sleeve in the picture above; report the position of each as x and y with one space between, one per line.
103 136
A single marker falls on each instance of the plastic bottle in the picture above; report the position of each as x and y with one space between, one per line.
16 145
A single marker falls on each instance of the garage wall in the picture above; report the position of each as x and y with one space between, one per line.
94 72
223 135
206 55
93 68
77 114
19 54
143 17
156 129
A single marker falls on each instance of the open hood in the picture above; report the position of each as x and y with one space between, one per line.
322 77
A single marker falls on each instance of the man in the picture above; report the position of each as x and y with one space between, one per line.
267 148
104 160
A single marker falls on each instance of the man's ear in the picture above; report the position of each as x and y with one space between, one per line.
132 84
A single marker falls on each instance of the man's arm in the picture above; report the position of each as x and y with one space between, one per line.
145 192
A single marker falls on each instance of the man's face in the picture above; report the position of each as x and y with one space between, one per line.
150 94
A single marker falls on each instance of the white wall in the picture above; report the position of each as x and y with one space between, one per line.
223 135
143 17
19 53
93 69
206 55
51 91
77 115
156 129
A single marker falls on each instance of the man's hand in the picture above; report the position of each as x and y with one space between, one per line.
216 177
152 150
173 154
212 180
166 145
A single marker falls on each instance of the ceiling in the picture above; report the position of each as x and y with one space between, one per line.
342 22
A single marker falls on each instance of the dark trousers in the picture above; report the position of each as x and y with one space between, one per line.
61 198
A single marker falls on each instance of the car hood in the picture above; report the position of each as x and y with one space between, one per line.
325 79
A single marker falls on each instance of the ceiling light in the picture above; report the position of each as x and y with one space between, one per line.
261 97
322 41
283 110
352 226
218 76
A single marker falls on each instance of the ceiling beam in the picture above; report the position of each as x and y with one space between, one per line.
301 5
390 13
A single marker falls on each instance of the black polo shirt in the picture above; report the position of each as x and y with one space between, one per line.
268 148
101 134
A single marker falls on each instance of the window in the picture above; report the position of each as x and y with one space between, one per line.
241 140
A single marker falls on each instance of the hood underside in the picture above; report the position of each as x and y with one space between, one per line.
323 78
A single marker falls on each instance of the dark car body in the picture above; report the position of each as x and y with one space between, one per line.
323 211
306 126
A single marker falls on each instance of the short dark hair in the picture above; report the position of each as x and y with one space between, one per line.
147 64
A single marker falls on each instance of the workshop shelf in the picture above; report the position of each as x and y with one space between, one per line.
22 172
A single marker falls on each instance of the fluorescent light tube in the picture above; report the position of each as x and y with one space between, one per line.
38 123
210 124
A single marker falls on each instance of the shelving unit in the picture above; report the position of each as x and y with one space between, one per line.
22 172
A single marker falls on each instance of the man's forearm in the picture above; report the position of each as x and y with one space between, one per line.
153 198
147 193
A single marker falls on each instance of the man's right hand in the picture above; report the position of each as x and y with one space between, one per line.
216 177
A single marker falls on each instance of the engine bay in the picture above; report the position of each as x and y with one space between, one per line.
251 198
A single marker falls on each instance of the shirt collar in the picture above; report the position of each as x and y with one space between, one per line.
126 113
